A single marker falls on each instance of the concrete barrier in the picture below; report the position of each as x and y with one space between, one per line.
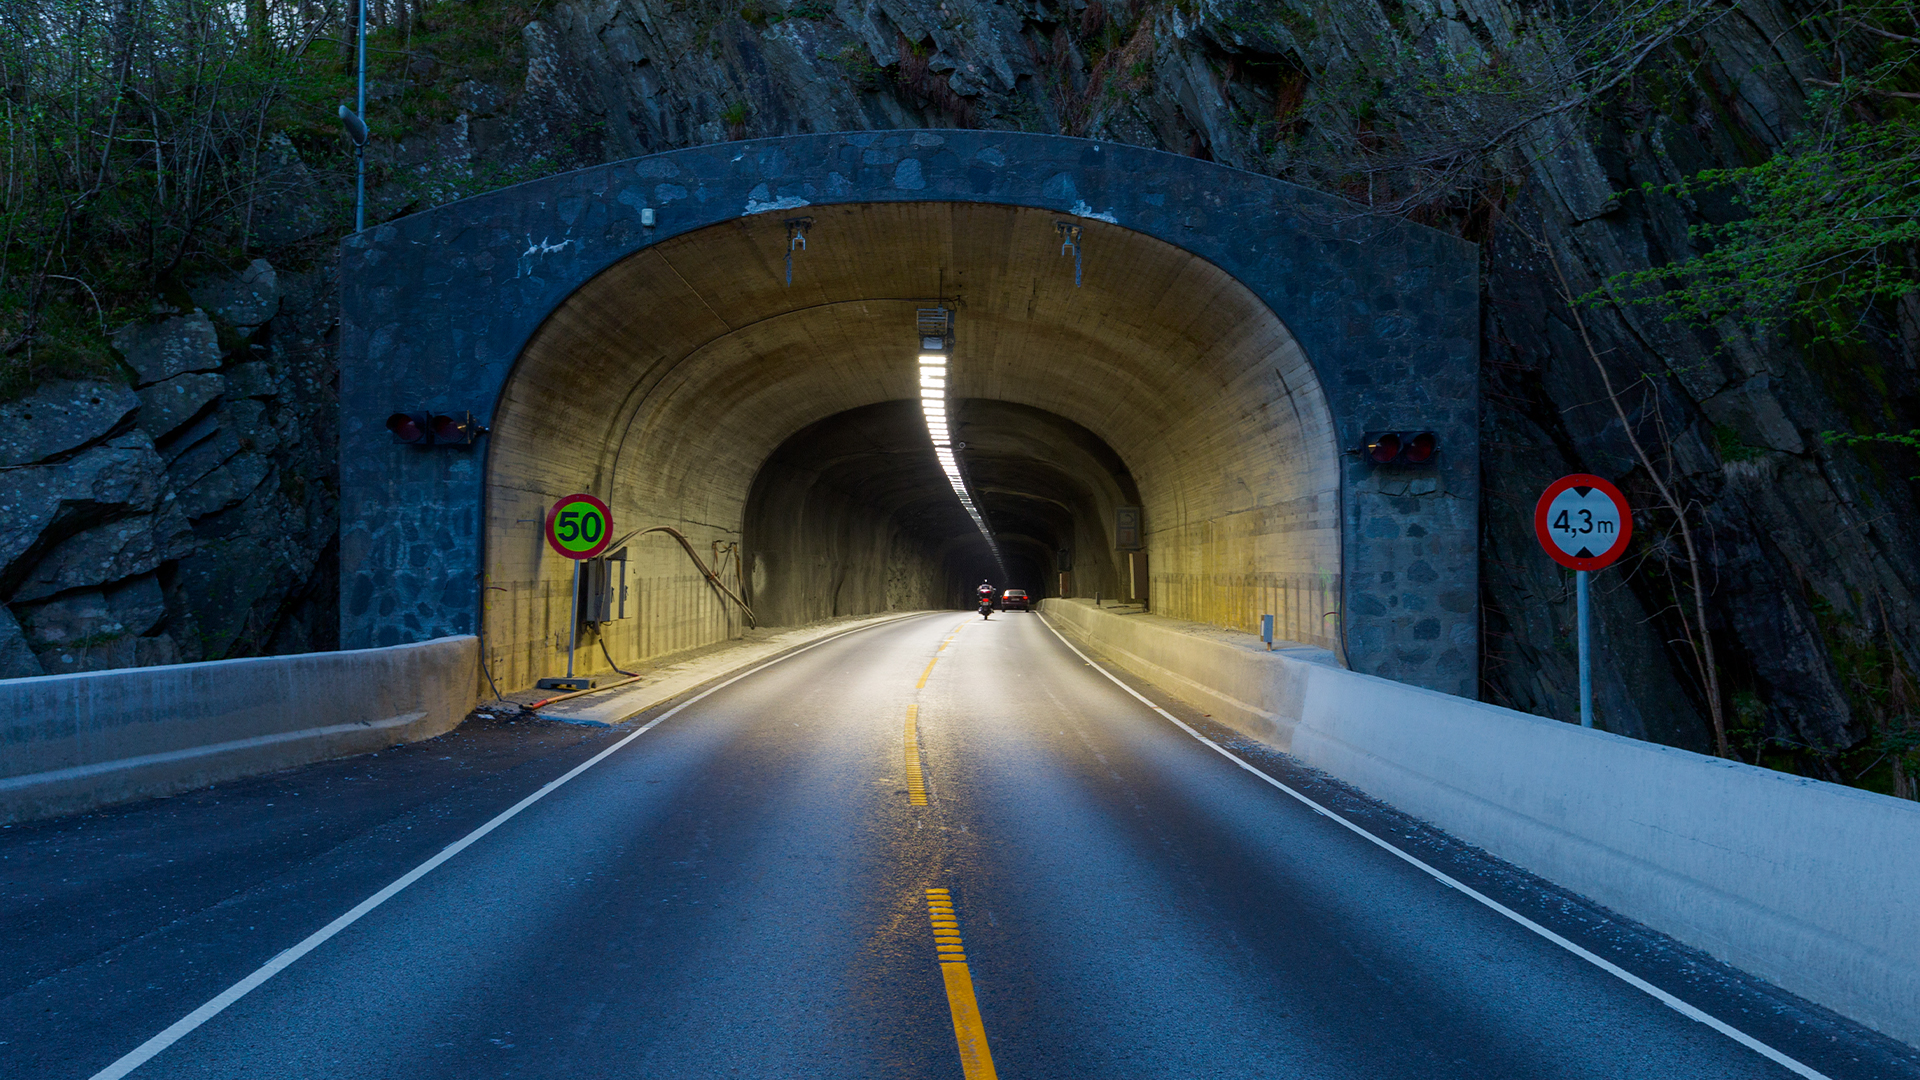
1810 885
75 742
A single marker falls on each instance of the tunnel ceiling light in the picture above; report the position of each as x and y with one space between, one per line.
935 326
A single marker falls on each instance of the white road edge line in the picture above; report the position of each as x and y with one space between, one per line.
186 1024
1628 977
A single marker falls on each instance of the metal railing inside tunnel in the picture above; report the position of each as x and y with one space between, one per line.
936 345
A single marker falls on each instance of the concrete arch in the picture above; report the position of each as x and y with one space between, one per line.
1230 337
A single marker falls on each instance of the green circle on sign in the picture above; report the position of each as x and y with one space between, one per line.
580 527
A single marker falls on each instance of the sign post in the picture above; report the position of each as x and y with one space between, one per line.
1583 523
578 527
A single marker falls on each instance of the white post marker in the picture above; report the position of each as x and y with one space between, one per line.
1583 523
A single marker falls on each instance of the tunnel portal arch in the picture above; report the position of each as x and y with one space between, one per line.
1230 337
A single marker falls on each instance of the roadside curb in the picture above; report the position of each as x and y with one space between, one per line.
626 701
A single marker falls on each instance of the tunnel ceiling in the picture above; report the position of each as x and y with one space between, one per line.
671 379
677 372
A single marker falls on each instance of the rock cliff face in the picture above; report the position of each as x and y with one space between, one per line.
204 512
1806 550
188 516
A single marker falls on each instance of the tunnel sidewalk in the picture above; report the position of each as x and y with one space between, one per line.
663 681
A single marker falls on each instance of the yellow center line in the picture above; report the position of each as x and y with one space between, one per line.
916 783
976 1061
969 1032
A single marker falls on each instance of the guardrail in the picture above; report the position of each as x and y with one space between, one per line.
75 742
1810 885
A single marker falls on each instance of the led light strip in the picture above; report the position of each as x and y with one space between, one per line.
933 404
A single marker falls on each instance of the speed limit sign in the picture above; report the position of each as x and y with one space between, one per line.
579 527
1583 522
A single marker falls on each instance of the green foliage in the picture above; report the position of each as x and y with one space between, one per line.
735 113
1727 442
146 141
1881 692
134 137
1830 222
1910 441
1426 125
1829 232
860 69
811 9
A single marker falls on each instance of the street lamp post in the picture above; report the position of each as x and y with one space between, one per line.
354 120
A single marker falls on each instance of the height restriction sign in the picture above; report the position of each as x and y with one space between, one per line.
579 527
1583 522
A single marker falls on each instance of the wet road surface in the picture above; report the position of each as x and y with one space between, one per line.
767 883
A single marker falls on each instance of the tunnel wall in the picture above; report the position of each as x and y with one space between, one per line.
438 308
819 553
1162 383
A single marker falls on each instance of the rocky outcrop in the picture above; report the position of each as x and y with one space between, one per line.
184 517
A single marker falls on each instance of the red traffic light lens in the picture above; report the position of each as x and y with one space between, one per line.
1384 449
1421 447
448 429
405 428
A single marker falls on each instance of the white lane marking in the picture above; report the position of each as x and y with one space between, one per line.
180 1028
1628 977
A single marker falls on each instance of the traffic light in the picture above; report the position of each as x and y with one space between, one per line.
459 429
434 429
1400 447
412 428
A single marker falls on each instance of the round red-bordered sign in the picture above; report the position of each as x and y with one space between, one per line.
1583 522
579 527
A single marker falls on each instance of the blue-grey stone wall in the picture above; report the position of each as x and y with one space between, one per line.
436 308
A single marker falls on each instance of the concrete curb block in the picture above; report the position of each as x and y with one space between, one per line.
1807 884
70 743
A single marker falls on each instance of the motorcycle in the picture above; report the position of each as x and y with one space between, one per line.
986 607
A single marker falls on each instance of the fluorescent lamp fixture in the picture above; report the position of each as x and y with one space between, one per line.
933 406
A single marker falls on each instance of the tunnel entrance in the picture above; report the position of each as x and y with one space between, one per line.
1131 329
853 515
775 425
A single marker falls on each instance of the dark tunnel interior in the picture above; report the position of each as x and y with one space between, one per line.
852 513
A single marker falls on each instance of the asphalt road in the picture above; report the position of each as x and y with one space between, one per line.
753 888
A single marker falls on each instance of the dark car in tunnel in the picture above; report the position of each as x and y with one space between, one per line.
1014 600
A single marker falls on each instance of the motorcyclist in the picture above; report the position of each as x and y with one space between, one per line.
985 592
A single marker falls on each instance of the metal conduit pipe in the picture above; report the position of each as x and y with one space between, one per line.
712 579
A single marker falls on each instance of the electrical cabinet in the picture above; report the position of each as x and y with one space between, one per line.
605 585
